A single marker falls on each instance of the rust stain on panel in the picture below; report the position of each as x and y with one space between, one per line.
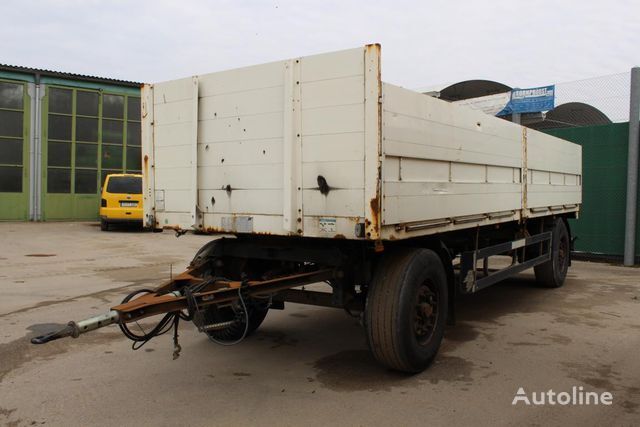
375 210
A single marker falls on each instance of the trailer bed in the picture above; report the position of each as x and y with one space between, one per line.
319 146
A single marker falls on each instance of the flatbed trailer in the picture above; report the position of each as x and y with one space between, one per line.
315 170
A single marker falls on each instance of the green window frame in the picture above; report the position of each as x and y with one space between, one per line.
90 133
133 142
60 136
121 131
12 136
86 143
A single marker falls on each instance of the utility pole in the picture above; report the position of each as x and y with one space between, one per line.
632 170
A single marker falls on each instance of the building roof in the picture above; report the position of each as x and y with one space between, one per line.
69 76
571 114
472 89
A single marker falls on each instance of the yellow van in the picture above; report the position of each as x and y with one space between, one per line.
121 200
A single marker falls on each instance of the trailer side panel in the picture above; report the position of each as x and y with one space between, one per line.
319 146
444 162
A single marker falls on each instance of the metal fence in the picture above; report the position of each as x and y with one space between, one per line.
607 223
609 94
600 230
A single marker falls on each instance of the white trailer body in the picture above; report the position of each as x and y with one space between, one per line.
319 146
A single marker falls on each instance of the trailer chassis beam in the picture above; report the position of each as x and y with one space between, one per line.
171 298
469 282
226 292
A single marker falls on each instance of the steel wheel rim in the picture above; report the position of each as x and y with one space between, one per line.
425 313
563 255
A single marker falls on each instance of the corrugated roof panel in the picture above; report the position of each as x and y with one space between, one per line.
71 76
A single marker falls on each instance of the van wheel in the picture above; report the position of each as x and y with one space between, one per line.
552 273
406 309
104 225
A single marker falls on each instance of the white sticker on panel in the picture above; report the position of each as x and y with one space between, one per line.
328 225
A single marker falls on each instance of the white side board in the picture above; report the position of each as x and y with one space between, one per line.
448 167
318 146
264 135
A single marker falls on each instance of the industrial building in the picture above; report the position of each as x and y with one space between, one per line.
60 135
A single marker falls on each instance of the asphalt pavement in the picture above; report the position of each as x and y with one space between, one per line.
305 365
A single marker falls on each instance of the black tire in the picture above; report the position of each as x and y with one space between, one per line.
552 273
104 225
257 313
406 309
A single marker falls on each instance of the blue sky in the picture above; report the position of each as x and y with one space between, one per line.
424 43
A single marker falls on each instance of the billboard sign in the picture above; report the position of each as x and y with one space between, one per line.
531 100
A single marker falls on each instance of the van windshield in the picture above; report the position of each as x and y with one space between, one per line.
125 185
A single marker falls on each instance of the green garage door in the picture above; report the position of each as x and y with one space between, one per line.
88 134
14 151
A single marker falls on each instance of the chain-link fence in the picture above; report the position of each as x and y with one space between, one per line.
609 94
587 102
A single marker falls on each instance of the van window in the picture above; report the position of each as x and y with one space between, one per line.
125 185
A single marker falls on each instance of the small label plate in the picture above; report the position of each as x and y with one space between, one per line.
328 225
238 224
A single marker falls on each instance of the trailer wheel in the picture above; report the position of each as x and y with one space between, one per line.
552 273
406 309
234 332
